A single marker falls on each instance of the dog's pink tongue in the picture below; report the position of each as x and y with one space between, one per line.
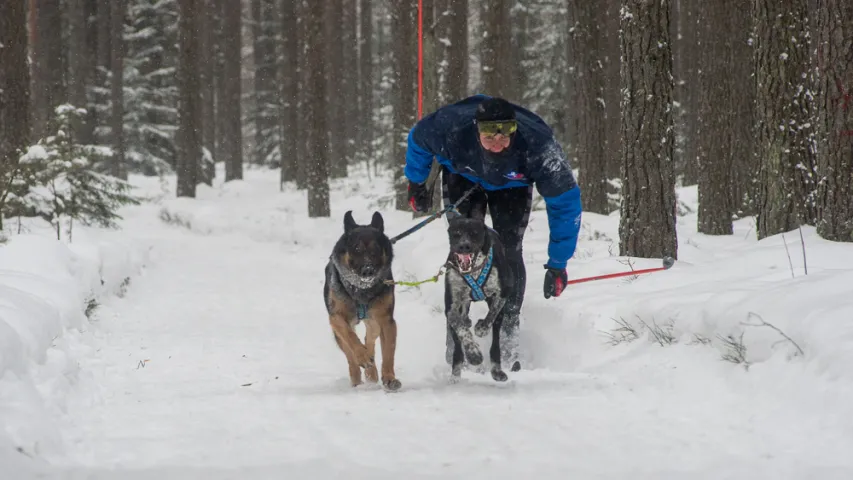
464 260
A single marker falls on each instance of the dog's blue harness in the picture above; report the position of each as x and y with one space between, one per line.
361 310
477 293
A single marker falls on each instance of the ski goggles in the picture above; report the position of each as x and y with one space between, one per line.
497 127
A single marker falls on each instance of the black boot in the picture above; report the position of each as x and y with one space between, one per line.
509 341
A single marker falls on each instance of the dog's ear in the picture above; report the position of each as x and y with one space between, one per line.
377 222
349 222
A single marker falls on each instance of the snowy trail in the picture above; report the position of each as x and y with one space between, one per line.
213 313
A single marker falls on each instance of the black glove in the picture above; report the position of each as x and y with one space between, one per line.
419 197
555 281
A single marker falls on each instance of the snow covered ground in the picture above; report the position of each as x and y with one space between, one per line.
210 355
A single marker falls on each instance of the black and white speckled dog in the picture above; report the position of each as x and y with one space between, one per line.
478 272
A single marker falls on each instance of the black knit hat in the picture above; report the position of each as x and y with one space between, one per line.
493 109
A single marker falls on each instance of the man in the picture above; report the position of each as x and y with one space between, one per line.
507 150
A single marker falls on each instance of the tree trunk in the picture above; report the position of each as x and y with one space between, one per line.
14 84
350 79
315 114
79 64
405 99
782 110
365 125
14 93
189 132
456 50
334 51
119 167
519 21
586 41
835 122
208 105
745 168
258 47
232 136
266 101
48 68
647 222
430 95
688 55
103 65
305 58
290 93
613 120
219 121
497 51
87 135
715 119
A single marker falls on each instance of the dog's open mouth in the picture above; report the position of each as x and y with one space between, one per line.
465 261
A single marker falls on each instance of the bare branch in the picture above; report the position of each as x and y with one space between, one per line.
737 350
789 255
624 333
766 324
663 335
803 243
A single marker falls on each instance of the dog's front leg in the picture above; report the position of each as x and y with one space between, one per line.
382 314
484 326
457 317
348 338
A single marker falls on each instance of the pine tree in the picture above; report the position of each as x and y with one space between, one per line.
70 188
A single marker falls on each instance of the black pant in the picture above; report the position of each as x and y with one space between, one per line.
510 212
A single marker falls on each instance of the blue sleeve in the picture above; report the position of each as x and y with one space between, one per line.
564 222
418 160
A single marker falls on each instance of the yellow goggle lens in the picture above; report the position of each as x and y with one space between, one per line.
502 127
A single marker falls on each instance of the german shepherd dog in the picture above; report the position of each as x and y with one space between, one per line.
359 286
474 248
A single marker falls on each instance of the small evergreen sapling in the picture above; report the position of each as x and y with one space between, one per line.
63 182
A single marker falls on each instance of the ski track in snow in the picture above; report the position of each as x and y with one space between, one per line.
167 396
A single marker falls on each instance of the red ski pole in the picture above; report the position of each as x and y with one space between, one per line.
667 263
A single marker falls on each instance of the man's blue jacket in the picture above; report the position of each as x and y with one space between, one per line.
534 157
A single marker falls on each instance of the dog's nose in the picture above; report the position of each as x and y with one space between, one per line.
464 248
368 270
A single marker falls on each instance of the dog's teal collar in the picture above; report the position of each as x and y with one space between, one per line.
361 310
477 293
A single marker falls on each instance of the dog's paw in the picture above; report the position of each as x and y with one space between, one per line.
363 358
499 375
482 328
473 355
455 373
371 374
391 384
